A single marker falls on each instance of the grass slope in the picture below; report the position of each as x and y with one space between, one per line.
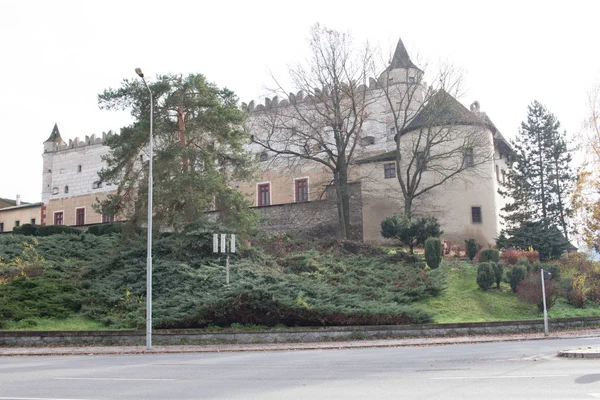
464 301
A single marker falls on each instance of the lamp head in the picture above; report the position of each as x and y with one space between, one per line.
139 72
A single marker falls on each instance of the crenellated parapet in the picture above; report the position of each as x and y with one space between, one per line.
91 140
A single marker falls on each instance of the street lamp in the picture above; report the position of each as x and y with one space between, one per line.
149 234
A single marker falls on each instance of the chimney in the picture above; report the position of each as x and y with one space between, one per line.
18 202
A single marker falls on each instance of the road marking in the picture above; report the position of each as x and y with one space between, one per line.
496 377
35 398
111 379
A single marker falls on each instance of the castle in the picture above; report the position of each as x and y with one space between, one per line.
300 199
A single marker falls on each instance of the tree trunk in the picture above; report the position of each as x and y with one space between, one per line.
342 201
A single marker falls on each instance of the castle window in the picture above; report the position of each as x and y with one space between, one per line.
108 218
49 171
389 170
469 160
264 194
80 216
264 156
97 185
367 141
32 221
421 160
476 215
411 79
79 168
58 218
503 176
1 226
498 173
17 223
54 190
301 189
66 189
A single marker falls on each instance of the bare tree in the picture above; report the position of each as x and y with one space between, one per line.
322 123
437 138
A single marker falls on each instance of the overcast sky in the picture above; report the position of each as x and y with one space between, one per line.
56 56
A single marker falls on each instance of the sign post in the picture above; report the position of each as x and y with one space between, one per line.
543 276
224 249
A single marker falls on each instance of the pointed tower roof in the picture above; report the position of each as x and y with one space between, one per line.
401 58
54 136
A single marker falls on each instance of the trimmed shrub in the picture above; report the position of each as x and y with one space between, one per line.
48 230
515 275
410 232
530 291
25 229
485 276
104 229
554 269
433 252
488 255
498 273
471 248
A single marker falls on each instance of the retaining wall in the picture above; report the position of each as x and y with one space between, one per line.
275 335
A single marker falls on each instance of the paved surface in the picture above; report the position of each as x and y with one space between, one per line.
90 350
503 370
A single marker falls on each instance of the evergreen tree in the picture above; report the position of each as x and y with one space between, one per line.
540 178
198 150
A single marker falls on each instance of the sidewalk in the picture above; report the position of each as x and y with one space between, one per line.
216 348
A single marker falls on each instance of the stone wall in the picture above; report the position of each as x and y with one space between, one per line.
283 335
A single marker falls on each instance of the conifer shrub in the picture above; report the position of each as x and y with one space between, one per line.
488 255
471 248
515 275
105 229
498 273
485 276
25 229
48 230
554 269
433 252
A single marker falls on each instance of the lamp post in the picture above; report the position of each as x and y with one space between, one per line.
149 234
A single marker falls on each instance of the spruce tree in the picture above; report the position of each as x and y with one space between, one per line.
540 177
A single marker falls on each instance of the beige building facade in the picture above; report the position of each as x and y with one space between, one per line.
17 215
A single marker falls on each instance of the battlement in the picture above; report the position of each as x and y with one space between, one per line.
78 143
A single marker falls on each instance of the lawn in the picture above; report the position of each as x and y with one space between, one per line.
73 323
464 301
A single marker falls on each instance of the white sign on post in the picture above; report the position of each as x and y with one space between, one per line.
215 243
224 249
232 247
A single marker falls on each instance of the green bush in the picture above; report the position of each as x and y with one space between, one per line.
48 230
530 291
25 229
485 276
515 275
433 252
410 232
498 273
104 229
489 255
471 248
554 269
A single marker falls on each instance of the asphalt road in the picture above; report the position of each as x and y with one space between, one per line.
507 370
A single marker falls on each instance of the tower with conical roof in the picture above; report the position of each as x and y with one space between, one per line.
50 146
401 68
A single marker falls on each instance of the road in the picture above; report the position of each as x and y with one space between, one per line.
504 370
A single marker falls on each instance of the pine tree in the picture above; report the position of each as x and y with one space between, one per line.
540 179
198 150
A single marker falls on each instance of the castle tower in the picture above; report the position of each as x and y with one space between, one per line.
401 68
50 146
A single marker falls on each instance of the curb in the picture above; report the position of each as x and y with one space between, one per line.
233 348
588 352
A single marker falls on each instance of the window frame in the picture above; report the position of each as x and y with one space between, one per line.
473 221
297 182
259 197
62 217
386 171
77 222
108 218
469 158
